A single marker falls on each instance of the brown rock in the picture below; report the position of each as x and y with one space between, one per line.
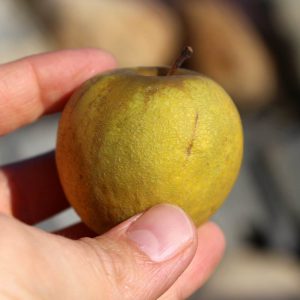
228 49
136 32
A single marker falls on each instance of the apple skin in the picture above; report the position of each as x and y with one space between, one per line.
129 139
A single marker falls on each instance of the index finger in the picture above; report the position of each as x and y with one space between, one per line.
40 84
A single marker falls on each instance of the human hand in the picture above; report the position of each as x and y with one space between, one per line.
158 254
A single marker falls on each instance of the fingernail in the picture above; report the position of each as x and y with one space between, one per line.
161 232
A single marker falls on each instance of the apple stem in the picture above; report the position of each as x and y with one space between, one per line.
185 54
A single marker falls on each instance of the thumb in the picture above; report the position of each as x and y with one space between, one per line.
142 257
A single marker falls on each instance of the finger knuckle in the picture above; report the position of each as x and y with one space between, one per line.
116 264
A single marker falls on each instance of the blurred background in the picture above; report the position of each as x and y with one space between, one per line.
252 48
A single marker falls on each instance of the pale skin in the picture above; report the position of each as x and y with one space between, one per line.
75 263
